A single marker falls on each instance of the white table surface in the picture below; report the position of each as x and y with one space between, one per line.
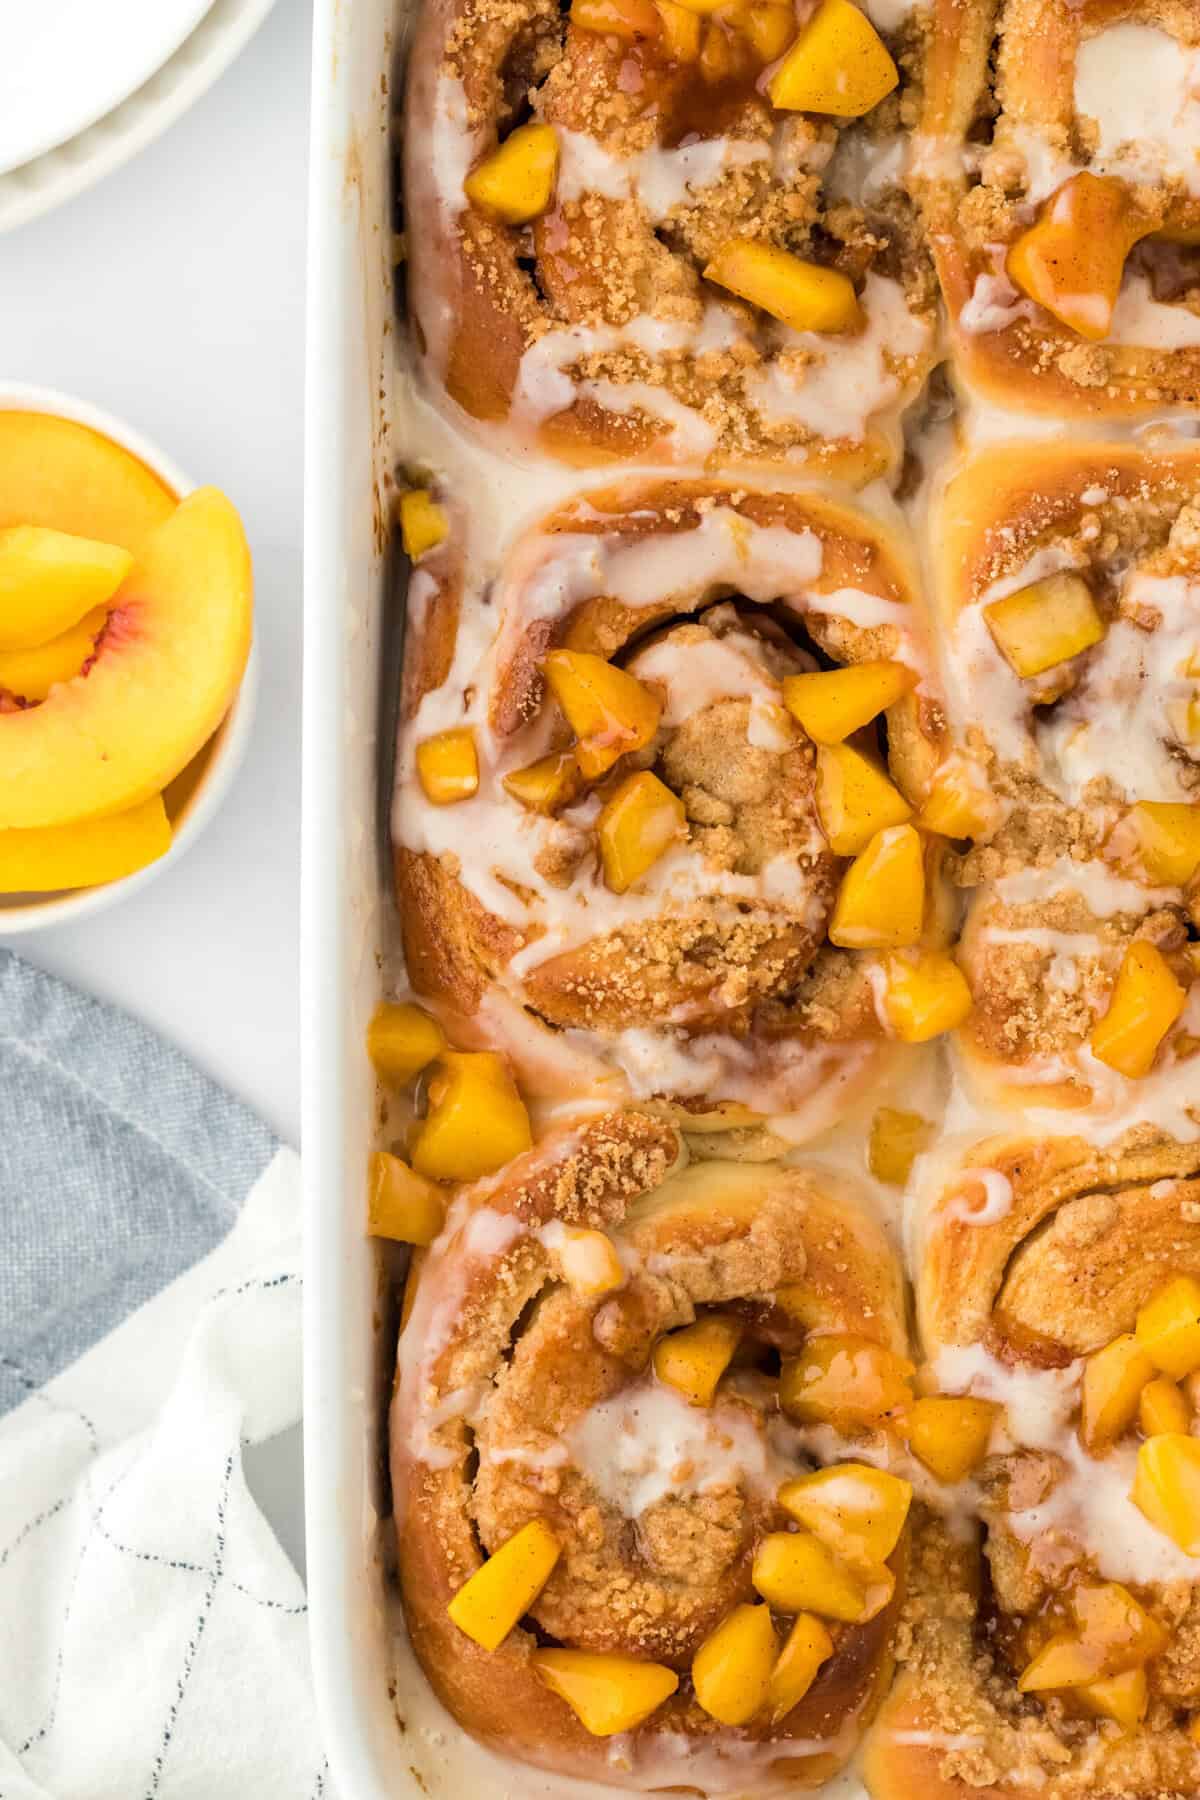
173 295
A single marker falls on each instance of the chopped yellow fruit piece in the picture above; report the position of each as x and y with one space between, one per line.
30 674
1167 835
1146 1002
402 1204
732 1667
925 995
1168 1327
44 859
1123 1697
637 826
607 1692
770 29
423 523
401 1039
1161 1407
857 1510
795 1572
881 902
897 1139
448 766
702 9
680 31
949 1433
476 1121
546 785
843 1380
1064 1661
959 803
1115 1633
805 295
724 56
1072 258
807 1647
1045 624
1113 1379
693 1360
609 711
589 1262
838 65
50 579
516 181
831 703
502 1589
855 799
629 19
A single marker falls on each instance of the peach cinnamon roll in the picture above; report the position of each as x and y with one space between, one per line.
617 1557
1069 590
681 712
1059 1292
665 231
1056 164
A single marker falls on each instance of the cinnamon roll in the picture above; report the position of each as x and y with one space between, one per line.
620 1554
1056 166
1070 605
1059 1290
671 795
647 231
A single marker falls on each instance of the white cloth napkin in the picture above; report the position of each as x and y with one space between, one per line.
153 1641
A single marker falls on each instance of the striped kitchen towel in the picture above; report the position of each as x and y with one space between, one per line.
152 1631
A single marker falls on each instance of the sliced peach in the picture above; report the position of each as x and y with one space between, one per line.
516 181
609 711
423 523
838 65
607 1692
56 473
165 671
805 295
30 674
46 859
925 995
897 1139
50 579
845 1381
1113 1379
1045 624
732 1667
881 902
401 1204
807 1647
630 19
1072 258
636 827
831 703
1145 1003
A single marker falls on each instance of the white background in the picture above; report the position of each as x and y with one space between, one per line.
173 296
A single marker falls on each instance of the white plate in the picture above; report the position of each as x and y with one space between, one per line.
125 114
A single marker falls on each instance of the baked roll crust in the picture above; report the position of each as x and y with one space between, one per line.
596 330
1056 166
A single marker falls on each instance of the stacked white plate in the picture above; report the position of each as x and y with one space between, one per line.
84 85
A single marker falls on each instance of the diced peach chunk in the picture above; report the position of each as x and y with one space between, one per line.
1045 624
50 579
897 1139
959 803
795 1572
49 858
950 1433
476 1120
926 994
843 1380
838 65
401 1039
629 19
731 1670
636 827
1146 1002
857 1510
402 1204
1113 1379
808 1646
1114 1632
1162 1407
855 799
448 766
724 56
769 29
1168 1327
423 523
1166 1487
881 902
609 711
1072 258
515 183
831 703
589 1262
805 295
607 1692
1124 1698
502 1589
548 784
693 1360
680 31
30 674
1167 834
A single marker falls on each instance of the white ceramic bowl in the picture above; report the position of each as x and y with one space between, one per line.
211 772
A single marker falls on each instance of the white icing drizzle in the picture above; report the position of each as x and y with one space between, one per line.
659 178
1142 89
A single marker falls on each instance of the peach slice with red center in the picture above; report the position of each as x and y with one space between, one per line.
165 670
50 579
